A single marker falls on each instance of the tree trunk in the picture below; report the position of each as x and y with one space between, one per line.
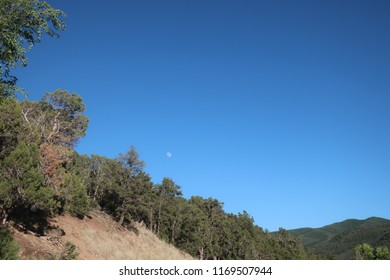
173 232
95 194
122 217
4 221
201 253
151 219
159 217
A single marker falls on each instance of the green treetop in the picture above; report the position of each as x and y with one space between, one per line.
22 24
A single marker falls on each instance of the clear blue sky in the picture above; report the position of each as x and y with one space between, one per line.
279 108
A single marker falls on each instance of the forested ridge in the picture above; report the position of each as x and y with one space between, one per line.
341 240
43 176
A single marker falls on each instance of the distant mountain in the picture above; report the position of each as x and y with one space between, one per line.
338 240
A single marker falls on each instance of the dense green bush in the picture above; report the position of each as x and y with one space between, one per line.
9 249
366 252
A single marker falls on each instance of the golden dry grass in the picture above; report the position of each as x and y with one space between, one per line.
98 238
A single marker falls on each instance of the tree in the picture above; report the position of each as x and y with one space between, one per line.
208 228
193 233
127 186
56 120
382 253
130 180
131 163
287 247
74 195
22 24
98 177
366 252
55 123
168 189
239 238
22 186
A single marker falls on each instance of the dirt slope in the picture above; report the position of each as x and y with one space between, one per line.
96 238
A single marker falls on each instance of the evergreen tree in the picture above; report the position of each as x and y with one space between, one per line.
166 192
22 185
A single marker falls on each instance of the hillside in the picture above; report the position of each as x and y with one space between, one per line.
96 237
338 240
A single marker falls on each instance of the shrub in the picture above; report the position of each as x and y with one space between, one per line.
69 252
9 249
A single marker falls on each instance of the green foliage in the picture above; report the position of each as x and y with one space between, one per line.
97 176
69 252
364 252
75 196
9 249
382 253
121 186
207 232
22 184
22 24
166 194
57 119
288 247
10 125
367 252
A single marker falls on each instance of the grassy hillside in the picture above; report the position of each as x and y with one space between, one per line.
97 237
338 240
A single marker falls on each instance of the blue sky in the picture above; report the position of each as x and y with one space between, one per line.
279 108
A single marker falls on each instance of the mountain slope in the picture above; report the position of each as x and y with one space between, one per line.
339 239
97 237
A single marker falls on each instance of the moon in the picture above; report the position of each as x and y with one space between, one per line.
168 154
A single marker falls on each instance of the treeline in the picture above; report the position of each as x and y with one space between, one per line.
41 176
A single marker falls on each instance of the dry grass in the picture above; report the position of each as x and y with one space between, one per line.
98 238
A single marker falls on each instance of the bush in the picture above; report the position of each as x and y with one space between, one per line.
69 252
9 249
367 252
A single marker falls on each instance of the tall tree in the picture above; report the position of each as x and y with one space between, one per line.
22 24
55 123
208 227
127 188
98 177
166 191
129 180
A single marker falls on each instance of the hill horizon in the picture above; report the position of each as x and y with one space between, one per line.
339 239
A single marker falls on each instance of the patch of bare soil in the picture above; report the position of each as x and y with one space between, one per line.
97 237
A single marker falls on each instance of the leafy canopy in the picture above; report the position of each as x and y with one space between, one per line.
22 24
